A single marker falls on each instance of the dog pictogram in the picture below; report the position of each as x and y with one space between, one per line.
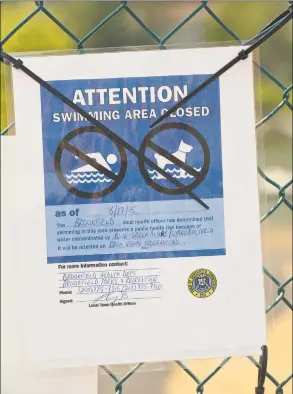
174 163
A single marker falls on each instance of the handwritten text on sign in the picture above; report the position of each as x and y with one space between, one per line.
131 228
98 287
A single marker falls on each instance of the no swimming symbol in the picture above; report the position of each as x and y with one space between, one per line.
96 165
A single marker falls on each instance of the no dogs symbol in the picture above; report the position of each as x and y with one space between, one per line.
180 151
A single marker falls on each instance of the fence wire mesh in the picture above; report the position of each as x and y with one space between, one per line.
278 384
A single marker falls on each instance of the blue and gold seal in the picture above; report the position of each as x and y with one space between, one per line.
202 283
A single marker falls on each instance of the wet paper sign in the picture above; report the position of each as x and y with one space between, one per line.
133 235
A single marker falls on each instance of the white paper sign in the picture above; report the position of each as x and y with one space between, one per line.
145 247
15 377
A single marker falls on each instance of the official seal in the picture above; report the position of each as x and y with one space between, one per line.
202 283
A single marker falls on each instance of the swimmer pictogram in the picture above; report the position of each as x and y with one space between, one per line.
89 174
96 169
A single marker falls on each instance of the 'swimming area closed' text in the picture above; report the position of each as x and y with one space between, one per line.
118 96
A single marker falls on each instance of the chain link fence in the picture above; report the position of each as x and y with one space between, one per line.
278 384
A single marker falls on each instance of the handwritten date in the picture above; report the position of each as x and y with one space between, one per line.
117 210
